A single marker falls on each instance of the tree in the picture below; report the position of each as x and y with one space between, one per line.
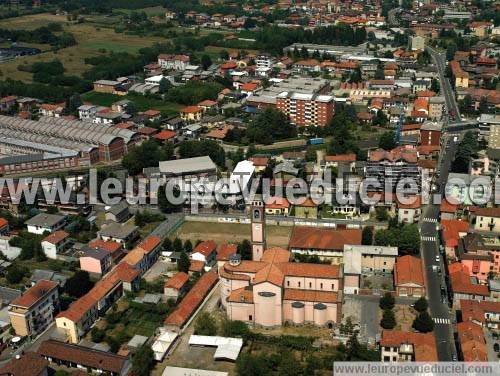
164 204
387 301
270 125
177 245
343 138
483 106
387 140
183 263
435 85
245 250
16 274
195 148
367 235
97 334
148 154
234 328
79 284
450 51
421 305
206 61
188 246
381 213
252 365
164 85
388 319
310 155
205 325
143 361
423 323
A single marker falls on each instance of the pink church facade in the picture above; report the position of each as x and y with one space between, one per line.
273 291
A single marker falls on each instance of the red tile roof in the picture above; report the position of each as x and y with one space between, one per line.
84 356
177 281
56 237
351 157
408 269
321 238
207 103
394 155
151 113
310 296
191 109
109 246
488 212
424 343
225 251
206 248
149 244
3 222
259 161
472 342
196 266
451 229
165 135
241 295
29 364
192 300
34 293
461 282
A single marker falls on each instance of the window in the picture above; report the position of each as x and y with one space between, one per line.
299 284
310 285
288 283
321 286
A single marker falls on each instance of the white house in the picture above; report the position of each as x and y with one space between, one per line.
45 222
55 243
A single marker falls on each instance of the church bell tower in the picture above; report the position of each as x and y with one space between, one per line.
258 220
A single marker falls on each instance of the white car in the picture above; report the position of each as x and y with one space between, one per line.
437 258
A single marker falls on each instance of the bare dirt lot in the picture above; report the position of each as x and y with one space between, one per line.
277 236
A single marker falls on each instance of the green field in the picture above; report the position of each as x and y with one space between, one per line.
142 103
93 39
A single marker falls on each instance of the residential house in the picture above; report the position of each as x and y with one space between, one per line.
55 243
484 313
205 252
472 343
95 261
6 103
452 231
44 222
306 209
191 113
487 220
115 249
462 286
118 212
173 62
410 211
278 206
409 277
32 312
176 286
399 346
119 232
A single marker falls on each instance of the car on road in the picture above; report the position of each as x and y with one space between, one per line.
438 258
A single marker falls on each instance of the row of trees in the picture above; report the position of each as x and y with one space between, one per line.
404 236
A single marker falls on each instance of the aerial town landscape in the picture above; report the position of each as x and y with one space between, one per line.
234 187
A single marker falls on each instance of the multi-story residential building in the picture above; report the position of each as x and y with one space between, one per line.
176 286
95 261
32 312
273 291
82 314
175 62
417 43
436 107
399 346
462 286
430 133
487 219
484 313
389 167
44 222
461 77
306 110
472 343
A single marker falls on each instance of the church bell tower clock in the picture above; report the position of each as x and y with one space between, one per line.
258 220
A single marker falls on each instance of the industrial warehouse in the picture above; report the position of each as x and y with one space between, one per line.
53 143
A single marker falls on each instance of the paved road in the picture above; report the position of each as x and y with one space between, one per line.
436 286
446 89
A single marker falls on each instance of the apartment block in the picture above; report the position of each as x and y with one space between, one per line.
32 312
305 110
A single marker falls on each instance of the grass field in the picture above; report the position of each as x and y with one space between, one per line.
92 39
277 236
142 103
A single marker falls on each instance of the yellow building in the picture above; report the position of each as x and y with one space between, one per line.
191 113
32 312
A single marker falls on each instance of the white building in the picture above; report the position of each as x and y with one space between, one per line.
45 222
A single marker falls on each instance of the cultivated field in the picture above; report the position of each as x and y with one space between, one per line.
93 39
277 236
